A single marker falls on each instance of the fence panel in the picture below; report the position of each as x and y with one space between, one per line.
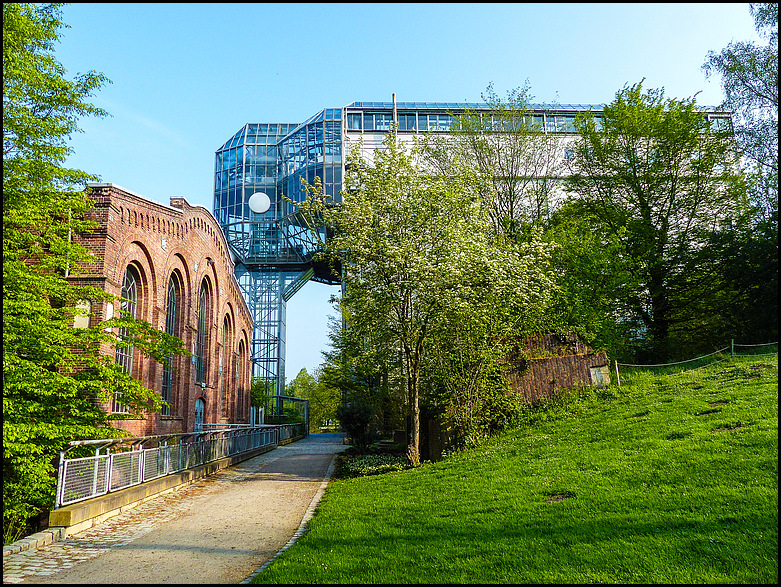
126 469
88 477
156 462
84 478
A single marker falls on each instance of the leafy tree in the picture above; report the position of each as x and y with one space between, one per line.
261 392
662 183
514 163
418 250
356 419
323 398
302 386
54 374
594 283
323 402
749 77
357 371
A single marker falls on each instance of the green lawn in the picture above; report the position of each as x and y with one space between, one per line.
668 479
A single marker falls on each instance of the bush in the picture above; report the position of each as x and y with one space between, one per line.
356 417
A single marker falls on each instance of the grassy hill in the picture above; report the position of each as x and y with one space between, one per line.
667 479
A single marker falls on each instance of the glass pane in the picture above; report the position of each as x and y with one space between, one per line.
382 121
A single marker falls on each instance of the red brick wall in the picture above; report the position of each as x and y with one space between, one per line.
185 241
551 363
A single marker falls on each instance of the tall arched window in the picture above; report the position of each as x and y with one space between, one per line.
128 308
240 383
223 365
201 351
170 328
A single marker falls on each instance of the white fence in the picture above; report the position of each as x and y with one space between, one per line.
79 479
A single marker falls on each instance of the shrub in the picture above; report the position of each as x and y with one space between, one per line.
356 417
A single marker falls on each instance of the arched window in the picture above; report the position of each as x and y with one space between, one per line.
170 328
201 351
128 308
240 415
223 365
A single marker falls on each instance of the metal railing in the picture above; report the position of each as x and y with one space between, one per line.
123 462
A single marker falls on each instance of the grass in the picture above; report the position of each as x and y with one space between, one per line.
668 479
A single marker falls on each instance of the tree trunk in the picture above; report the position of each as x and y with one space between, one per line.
659 327
413 450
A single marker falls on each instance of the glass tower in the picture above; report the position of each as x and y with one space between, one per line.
273 249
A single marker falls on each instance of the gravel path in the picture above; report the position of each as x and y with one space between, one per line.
221 529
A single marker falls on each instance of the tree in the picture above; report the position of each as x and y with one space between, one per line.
261 392
323 402
749 77
302 386
357 370
418 250
323 398
661 181
54 374
594 283
514 162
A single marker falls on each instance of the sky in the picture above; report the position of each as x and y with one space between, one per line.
186 77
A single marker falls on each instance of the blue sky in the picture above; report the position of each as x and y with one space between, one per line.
186 77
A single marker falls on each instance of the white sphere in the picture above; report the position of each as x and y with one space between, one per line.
259 202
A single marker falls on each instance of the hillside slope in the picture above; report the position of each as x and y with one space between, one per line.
668 479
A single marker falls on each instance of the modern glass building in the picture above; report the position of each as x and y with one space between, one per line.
272 246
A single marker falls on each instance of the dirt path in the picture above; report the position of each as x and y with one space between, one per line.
219 530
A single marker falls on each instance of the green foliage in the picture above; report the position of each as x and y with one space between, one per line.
663 184
54 375
422 260
749 78
372 464
594 283
261 392
356 370
356 419
512 171
302 386
465 376
323 397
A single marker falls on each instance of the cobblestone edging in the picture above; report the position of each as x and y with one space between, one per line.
35 540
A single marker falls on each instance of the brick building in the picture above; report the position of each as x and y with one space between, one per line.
173 265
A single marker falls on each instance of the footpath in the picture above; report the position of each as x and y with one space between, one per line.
220 529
